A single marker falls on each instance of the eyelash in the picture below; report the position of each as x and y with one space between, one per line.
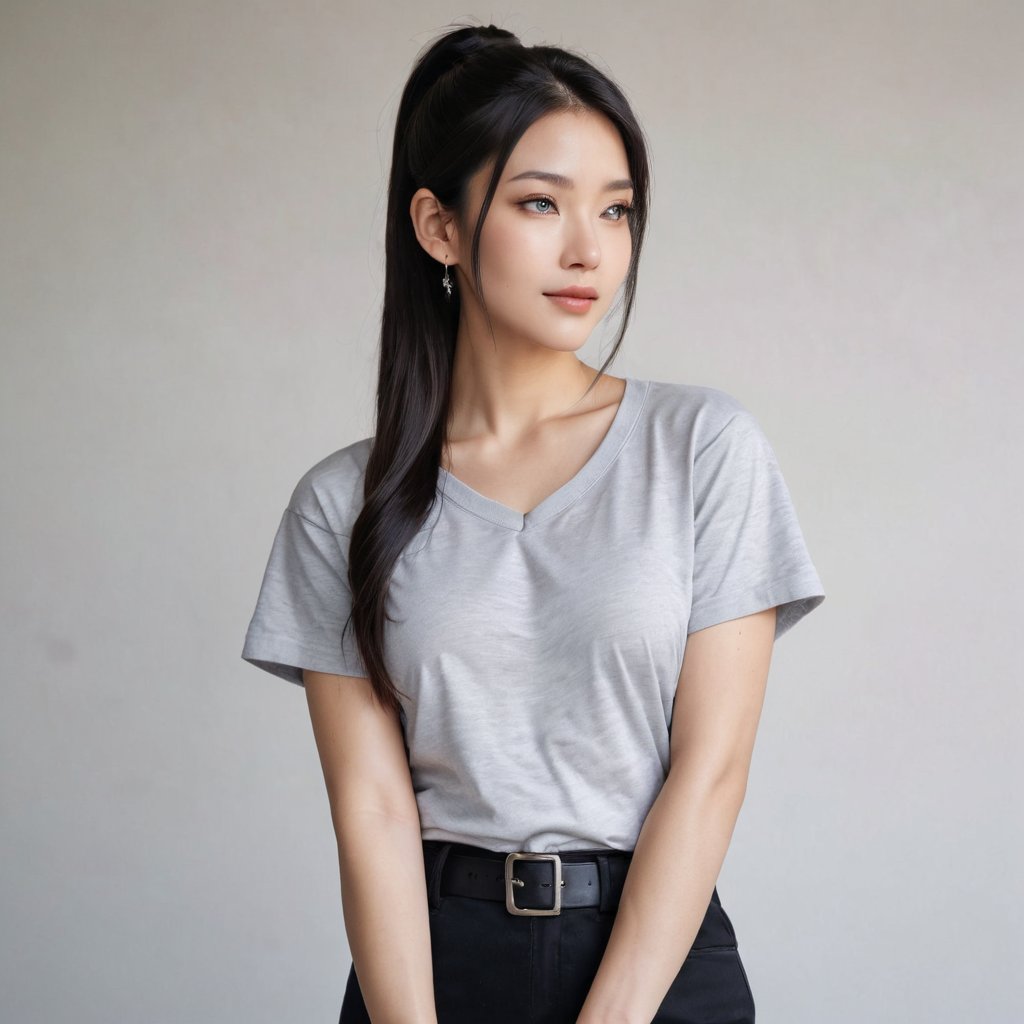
626 208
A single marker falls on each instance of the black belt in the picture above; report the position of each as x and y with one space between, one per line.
531 884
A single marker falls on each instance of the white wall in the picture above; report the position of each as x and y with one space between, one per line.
192 201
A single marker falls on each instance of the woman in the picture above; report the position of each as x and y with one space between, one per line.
533 790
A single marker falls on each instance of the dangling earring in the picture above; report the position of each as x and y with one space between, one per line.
446 281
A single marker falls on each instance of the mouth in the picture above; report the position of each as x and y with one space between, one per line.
576 299
572 303
576 291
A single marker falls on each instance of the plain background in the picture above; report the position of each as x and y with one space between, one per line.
192 198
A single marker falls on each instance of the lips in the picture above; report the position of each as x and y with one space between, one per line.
572 303
576 292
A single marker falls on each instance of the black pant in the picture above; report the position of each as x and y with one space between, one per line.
495 967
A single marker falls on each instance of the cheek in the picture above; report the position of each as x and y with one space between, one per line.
618 254
512 257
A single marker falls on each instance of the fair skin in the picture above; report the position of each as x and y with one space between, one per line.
517 433
377 825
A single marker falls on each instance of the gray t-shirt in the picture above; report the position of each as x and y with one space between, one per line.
541 652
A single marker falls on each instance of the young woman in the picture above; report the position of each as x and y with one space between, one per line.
563 587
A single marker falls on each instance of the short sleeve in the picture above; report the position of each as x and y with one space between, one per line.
303 604
749 551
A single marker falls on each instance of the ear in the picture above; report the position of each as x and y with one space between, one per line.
435 226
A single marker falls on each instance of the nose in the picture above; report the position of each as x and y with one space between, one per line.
581 247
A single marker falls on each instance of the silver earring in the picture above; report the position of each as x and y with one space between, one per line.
446 281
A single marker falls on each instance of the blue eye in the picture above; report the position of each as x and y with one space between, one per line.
625 209
539 199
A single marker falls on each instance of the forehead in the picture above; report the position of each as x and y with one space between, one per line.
583 146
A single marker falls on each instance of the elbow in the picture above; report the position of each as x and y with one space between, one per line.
361 816
719 783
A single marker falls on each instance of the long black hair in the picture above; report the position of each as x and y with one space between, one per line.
472 94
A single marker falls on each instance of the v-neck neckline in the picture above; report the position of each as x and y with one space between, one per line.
630 404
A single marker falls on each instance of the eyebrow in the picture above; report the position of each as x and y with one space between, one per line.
562 181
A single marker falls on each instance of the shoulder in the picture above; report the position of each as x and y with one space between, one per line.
697 412
330 493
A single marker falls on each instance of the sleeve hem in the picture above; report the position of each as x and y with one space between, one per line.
794 596
286 659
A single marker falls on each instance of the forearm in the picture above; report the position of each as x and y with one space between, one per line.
674 869
384 900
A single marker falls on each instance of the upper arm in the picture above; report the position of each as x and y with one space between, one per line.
720 695
361 747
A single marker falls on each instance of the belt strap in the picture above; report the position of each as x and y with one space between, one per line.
584 883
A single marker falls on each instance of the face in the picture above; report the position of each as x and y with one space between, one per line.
542 235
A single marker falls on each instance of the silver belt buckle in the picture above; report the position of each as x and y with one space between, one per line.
511 880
